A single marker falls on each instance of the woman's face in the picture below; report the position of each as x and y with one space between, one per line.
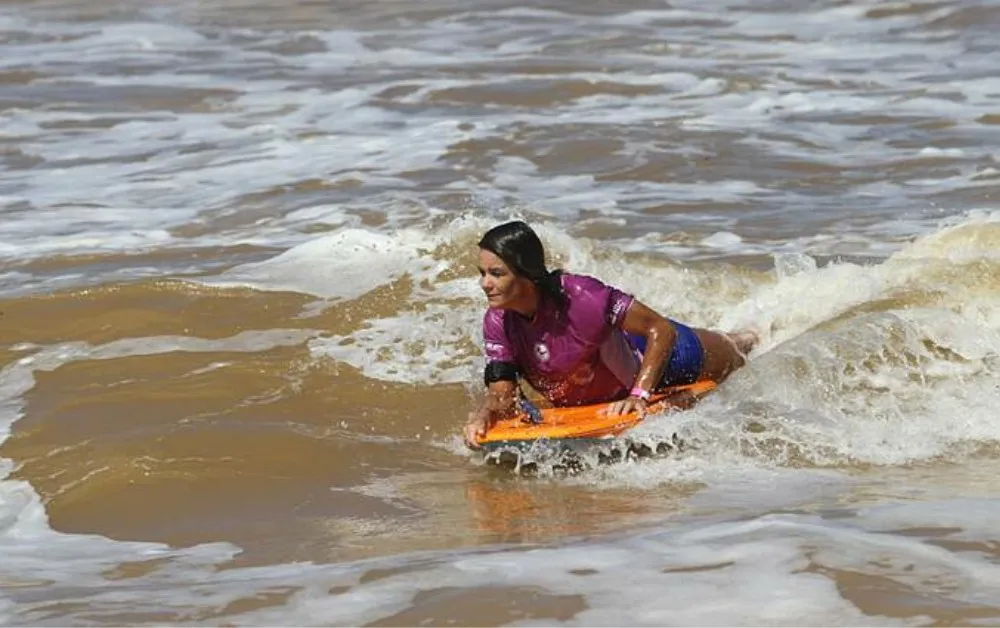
502 287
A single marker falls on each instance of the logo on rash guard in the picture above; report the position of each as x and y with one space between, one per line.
616 311
542 352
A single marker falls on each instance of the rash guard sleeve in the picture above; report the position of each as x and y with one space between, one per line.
618 304
501 358
497 346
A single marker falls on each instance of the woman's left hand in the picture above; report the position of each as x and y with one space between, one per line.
627 405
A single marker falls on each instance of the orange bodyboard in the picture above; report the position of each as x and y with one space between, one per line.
587 422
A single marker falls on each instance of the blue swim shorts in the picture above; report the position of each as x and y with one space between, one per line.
686 358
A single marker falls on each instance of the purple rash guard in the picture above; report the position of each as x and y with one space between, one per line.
581 357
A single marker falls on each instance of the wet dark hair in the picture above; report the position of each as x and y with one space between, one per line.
520 248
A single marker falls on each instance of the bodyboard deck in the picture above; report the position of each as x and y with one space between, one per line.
582 424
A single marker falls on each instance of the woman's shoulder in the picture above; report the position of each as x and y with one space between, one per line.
494 316
574 283
589 297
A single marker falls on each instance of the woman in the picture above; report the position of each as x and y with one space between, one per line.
577 340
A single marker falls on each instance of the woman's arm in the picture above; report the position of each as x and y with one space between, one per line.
660 337
500 402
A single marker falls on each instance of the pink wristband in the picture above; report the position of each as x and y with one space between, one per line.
641 393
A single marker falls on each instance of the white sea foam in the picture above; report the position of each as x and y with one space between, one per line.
412 347
885 389
260 129
774 570
344 265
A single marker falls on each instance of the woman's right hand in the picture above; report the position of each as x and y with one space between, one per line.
475 429
499 402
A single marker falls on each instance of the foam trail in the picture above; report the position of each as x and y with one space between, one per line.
341 266
776 568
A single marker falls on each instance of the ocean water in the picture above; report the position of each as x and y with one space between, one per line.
240 321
